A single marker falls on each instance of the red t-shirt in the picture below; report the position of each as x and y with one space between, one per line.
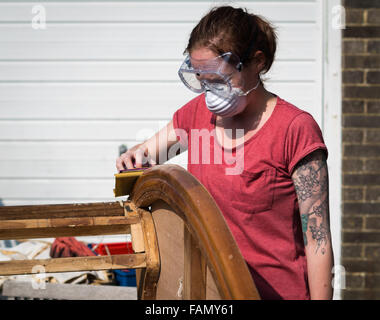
258 201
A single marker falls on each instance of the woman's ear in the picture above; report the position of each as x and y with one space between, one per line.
256 65
259 61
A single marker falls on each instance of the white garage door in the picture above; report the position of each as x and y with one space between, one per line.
104 74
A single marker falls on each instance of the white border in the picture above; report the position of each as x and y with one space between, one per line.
332 128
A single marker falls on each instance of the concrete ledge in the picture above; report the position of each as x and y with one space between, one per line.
24 289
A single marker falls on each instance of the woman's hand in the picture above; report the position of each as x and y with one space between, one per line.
137 157
153 151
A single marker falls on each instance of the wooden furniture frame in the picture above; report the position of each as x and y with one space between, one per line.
183 246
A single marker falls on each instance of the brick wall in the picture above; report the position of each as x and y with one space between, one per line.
361 149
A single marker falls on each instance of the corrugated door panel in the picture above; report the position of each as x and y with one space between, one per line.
121 41
147 11
105 73
117 101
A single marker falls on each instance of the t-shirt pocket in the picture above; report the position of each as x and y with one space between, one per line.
254 191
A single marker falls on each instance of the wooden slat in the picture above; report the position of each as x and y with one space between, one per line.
66 222
25 200
127 261
37 228
16 234
130 210
150 276
61 211
137 238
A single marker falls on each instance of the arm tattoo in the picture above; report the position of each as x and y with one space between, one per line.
311 184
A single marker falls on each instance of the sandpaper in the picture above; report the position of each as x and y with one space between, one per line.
126 179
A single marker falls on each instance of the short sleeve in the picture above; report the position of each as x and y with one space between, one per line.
183 120
179 120
303 137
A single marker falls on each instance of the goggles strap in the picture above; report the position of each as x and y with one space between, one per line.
248 51
239 66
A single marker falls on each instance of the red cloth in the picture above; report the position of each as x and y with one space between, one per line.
69 247
259 204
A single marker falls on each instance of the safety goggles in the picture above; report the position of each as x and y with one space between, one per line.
218 75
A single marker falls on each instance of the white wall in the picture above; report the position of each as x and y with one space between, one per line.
100 73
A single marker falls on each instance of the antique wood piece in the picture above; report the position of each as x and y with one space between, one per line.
183 248
207 238
122 261
51 211
42 221
56 227
149 276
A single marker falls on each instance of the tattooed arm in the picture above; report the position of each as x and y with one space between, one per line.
310 179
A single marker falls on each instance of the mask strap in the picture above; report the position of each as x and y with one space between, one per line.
254 88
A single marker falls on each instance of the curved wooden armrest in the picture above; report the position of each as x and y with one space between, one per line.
183 248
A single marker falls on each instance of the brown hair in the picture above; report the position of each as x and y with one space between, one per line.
226 28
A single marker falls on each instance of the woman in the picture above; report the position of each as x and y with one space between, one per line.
272 182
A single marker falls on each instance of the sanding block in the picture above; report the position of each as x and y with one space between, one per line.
125 180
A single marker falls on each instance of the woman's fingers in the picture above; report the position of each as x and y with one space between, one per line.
143 159
151 162
119 164
134 159
125 161
139 158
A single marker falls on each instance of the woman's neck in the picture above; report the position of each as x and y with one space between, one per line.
260 102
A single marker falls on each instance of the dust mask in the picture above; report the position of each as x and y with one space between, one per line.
228 106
